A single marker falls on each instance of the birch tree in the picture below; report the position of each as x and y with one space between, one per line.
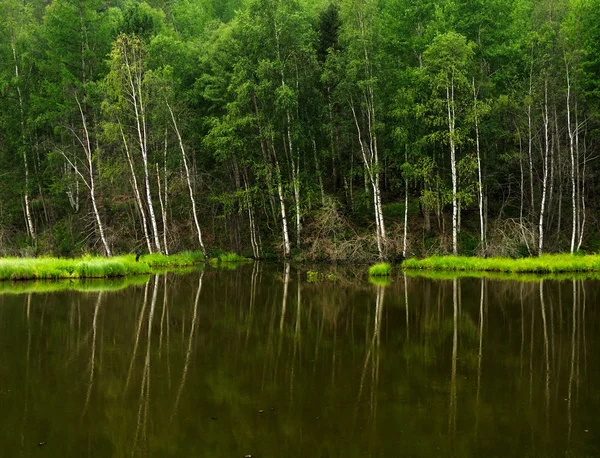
358 31
89 180
129 91
447 62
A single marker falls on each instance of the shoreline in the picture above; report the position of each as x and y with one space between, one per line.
93 267
545 264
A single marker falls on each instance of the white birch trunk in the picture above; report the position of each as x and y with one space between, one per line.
136 189
287 251
479 180
451 128
88 153
165 198
572 154
530 139
163 210
135 83
370 161
188 178
87 148
404 237
28 215
319 174
545 177
582 191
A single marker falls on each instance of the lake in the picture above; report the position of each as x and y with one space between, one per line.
258 361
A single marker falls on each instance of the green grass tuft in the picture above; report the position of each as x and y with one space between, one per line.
91 266
381 269
550 263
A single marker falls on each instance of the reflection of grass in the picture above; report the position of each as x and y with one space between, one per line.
185 259
228 261
523 277
380 269
556 263
90 266
380 281
81 285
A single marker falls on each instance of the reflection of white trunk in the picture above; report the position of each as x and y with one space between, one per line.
188 353
480 356
572 369
546 346
372 354
93 355
406 305
189 180
137 335
453 397
286 282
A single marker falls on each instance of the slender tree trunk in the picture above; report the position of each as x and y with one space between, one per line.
545 177
166 197
92 186
479 180
582 191
136 98
287 251
188 178
28 215
572 154
451 127
163 210
318 170
405 234
136 190
371 164
530 139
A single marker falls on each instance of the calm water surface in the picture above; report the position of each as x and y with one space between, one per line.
257 361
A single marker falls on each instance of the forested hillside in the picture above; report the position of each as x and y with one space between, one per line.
319 129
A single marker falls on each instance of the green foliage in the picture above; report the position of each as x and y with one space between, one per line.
312 276
381 269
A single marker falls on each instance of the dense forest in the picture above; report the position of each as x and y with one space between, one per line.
314 129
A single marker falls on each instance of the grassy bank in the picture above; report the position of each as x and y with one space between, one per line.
91 266
551 263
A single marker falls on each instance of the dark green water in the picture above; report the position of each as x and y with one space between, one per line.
259 362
